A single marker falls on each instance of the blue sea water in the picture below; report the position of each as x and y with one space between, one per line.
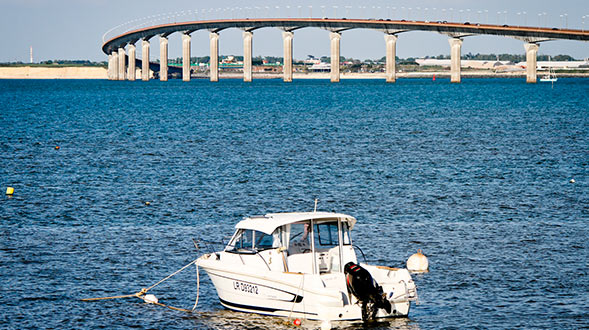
477 175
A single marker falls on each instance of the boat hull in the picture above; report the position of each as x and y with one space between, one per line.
310 296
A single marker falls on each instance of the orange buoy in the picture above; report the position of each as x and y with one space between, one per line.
434 77
56 147
297 322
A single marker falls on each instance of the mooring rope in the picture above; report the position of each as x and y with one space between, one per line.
297 295
197 288
114 297
171 275
141 294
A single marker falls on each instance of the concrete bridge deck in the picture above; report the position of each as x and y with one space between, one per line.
115 47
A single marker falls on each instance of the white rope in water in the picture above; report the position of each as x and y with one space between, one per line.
169 276
141 294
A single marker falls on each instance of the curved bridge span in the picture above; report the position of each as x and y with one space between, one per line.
118 66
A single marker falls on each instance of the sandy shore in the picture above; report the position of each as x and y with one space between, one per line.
28 72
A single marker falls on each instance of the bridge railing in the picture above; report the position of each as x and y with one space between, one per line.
482 16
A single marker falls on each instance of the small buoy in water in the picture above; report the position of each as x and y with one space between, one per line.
297 322
9 191
418 262
150 299
147 203
572 181
56 147
325 325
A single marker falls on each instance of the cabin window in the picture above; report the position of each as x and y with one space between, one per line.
300 231
243 241
299 238
327 234
346 233
250 241
263 241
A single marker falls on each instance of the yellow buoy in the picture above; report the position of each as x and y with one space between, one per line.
418 262
9 191
147 203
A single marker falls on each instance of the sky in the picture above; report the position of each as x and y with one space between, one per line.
74 29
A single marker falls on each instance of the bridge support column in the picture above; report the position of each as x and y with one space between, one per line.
110 66
163 58
287 66
391 49
531 56
115 65
122 64
186 57
132 67
214 58
455 51
335 47
145 60
247 56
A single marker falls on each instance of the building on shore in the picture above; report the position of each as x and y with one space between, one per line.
543 65
501 66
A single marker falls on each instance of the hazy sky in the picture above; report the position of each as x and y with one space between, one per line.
73 29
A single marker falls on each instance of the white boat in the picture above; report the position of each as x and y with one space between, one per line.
548 78
551 76
304 265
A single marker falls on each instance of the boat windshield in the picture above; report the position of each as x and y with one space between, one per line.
252 241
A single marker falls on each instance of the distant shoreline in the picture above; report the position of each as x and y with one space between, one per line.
89 72
73 72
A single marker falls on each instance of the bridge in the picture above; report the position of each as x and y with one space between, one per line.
120 63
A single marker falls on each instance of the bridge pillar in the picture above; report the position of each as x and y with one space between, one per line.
455 47
531 55
122 64
110 66
287 65
145 60
163 58
132 67
391 49
214 58
247 56
186 57
335 47
115 65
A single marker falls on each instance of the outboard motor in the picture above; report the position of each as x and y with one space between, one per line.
361 284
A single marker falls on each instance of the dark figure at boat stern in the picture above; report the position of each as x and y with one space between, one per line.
361 284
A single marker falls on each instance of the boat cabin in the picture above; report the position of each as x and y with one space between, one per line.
304 242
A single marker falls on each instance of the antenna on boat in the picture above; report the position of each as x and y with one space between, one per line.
316 200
